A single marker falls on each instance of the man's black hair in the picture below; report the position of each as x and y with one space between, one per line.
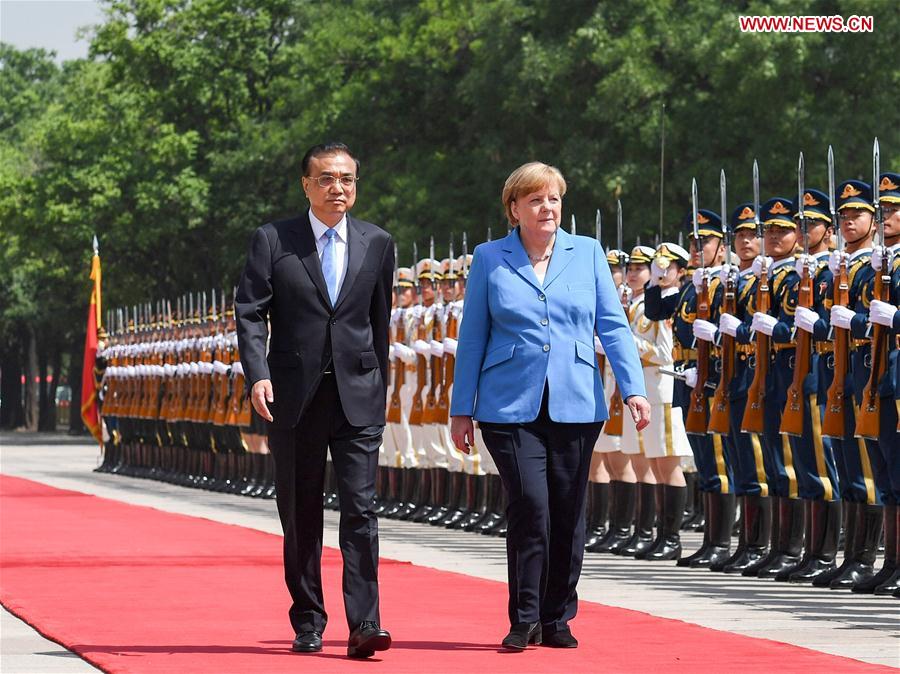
323 149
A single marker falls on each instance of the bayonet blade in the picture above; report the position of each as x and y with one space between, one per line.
756 219
597 225
831 185
801 168
726 229
431 259
876 172
573 225
489 238
619 243
465 253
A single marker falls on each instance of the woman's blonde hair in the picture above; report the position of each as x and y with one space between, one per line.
529 178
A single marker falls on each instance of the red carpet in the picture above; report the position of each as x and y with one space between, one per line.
133 589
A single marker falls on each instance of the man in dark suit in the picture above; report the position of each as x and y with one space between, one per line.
323 282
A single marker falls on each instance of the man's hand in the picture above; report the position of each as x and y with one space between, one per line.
260 394
640 411
462 431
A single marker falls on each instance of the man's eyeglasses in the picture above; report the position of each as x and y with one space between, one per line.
326 181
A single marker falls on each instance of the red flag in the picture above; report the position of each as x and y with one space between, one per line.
90 411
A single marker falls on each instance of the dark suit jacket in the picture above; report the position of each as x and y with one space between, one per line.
283 281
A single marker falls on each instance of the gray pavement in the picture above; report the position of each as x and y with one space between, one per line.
839 623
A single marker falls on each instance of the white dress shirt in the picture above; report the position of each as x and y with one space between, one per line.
340 245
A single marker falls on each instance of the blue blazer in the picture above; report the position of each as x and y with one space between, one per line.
517 334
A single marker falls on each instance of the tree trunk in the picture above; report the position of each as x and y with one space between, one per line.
12 412
32 401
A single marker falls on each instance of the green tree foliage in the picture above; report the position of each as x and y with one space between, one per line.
183 129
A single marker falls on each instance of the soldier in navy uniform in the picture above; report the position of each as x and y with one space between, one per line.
856 472
813 458
781 477
709 456
745 449
887 465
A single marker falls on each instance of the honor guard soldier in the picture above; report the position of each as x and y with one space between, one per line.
702 297
856 463
772 376
885 312
803 305
746 455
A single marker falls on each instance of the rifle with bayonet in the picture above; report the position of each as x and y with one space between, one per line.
442 415
416 413
429 416
697 420
756 394
870 409
719 421
792 416
616 406
395 410
833 421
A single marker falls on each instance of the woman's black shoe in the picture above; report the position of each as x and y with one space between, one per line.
522 634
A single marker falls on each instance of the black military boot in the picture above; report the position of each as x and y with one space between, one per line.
821 543
704 546
790 541
851 520
440 489
402 477
458 505
602 543
623 516
598 511
423 498
390 497
495 510
721 521
482 503
412 485
891 582
756 517
470 490
693 508
642 538
741 524
868 533
668 543
782 575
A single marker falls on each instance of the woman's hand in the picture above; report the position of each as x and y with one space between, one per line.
462 430
640 411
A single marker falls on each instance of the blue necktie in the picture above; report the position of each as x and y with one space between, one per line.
329 264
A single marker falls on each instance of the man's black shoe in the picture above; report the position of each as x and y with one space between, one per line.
366 639
559 639
522 634
307 642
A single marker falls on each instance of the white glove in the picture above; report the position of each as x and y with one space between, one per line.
437 348
841 316
404 353
877 252
805 319
704 330
882 312
807 262
728 324
450 345
640 345
598 347
421 347
391 354
656 273
728 271
625 294
764 323
690 377
417 311
834 261
758 264
699 276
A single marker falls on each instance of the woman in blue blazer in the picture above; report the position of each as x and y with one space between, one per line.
527 371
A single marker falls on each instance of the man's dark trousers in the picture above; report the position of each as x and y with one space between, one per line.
300 455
